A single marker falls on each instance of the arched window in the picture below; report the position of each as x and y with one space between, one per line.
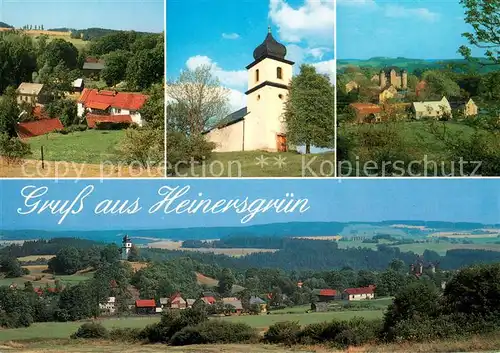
257 75
279 73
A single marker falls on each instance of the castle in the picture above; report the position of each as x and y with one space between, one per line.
392 76
260 125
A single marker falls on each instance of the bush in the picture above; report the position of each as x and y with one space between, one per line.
13 149
109 125
91 330
126 334
286 332
211 332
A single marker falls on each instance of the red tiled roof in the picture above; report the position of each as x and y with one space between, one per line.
175 297
364 290
366 108
328 292
96 99
38 127
209 300
90 59
145 303
92 119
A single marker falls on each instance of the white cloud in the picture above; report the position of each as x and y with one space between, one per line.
233 79
230 35
327 68
237 100
395 11
356 3
312 22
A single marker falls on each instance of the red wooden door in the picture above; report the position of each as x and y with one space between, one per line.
281 142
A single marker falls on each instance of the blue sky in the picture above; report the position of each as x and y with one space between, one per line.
138 15
455 200
420 29
225 35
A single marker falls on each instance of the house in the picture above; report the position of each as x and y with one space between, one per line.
78 85
258 301
177 302
366 112
260 125
325 295
360 293
108 307
467 108
432 109
93 119
92 67
40 127
389 93
235 304
351 86
190 302
145 306
31 93
111 103
208 300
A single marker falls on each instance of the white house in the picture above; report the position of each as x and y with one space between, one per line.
111 104
260 125
109 306
433 109
360 293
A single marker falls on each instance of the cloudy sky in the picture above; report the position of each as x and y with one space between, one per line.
420 29
225 36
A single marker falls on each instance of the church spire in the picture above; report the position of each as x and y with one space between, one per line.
269 29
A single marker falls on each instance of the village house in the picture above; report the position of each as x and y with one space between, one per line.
145 306
325 295
31 93
209 300
359 293
92 67
466 108
351 86
432 109
366 112
174 302
235 303
389 93
260 125
108 307
111 106
258 301
78 85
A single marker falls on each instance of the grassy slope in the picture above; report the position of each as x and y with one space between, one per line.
244 164
91 146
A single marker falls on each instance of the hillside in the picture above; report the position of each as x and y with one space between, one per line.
411 64
5 25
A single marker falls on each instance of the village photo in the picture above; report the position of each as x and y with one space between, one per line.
250 89
81 90
375 266
418 88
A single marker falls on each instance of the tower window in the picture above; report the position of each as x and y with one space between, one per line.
257 75
279 73
258 97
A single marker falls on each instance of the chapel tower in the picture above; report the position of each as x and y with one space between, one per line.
126 246
269 76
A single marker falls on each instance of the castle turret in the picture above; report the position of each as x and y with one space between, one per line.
404 79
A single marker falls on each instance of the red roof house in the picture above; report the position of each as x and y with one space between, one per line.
145 306
34 128
208 300
328 292
103 100
364 111
360 293
93 119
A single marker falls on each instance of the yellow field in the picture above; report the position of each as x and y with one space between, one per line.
177 245
33 169
333 237
35 257
78 43
464 235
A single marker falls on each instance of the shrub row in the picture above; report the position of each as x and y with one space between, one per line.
72 128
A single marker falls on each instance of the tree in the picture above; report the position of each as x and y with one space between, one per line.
145 68
11 267
439 85
115 70
199 99
9 113
309 110
133 255
66 261
484 17
59 50
226 282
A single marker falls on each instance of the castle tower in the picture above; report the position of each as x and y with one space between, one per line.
404 79
269 76
126 246
383 79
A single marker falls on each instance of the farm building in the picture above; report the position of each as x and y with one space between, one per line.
235 303
78 85
260 125
208 300
466 107
111 103
258 301
94 119
432 109
359 293
325 295
92 67
145 306
108 307
40 127
366 112
31 93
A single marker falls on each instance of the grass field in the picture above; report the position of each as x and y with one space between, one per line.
38 277
78 43
56 330
35 257
246 164
418 142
